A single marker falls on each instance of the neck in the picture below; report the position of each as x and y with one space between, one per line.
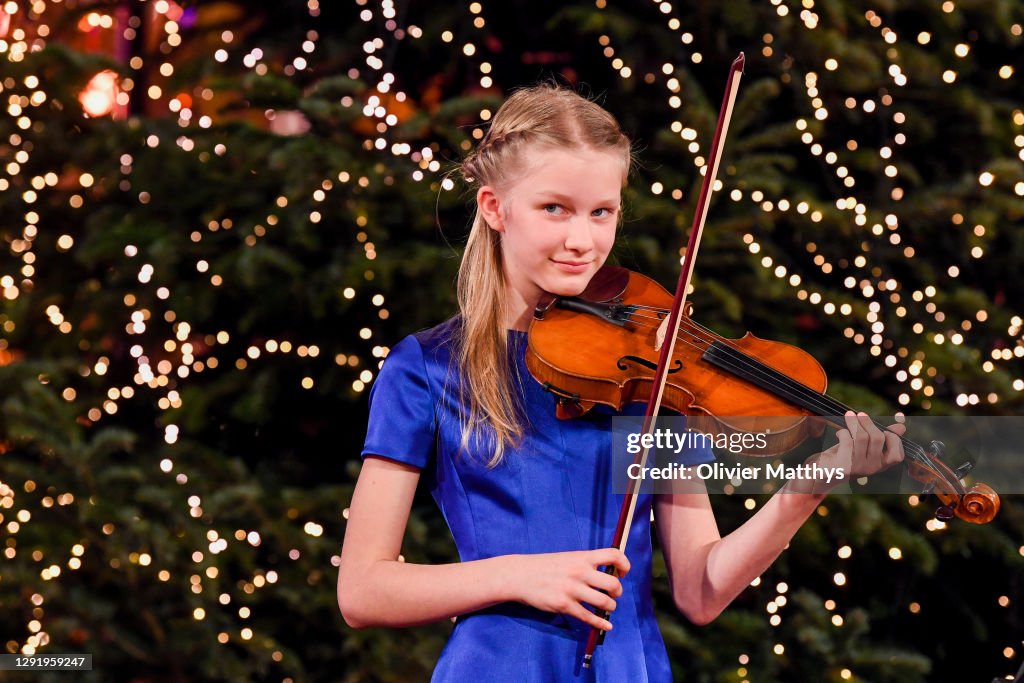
519 310
521 323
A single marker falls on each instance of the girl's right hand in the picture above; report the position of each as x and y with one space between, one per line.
563 582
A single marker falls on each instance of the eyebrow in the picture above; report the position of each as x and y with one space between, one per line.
565 198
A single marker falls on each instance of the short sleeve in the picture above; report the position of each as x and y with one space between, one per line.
694 452
402 425
697 451
697 455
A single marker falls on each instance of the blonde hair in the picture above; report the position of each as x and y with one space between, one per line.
546 115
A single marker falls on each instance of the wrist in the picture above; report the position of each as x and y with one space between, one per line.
824 475
507 585
811 488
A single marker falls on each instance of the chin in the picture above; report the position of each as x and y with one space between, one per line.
569 285
567 291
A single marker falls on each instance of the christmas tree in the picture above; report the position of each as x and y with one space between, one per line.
220 216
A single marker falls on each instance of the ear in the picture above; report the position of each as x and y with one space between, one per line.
489 204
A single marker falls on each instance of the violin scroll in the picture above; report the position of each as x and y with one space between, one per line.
980 505
977 505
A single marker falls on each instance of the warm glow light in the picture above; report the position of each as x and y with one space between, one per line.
100 94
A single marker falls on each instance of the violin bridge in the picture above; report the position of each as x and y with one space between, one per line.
662 333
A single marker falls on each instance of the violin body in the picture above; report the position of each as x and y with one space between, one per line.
603 347
615 365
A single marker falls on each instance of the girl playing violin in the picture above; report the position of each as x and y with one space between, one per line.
528 497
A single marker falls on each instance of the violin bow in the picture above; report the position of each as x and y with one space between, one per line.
669 329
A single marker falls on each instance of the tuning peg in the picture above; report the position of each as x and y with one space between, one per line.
943 513
926 494
964 470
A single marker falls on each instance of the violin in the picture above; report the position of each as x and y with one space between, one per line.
713 380
618 340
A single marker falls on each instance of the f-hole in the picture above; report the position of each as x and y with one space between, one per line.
622 363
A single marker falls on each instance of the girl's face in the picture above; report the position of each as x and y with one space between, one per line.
557 220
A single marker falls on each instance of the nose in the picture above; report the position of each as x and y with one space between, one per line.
578 238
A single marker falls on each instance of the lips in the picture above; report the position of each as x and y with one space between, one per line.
571 266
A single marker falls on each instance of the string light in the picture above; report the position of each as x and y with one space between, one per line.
183 350
875 285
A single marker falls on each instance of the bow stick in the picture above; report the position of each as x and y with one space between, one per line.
669 329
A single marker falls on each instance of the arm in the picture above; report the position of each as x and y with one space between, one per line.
376 589
708 571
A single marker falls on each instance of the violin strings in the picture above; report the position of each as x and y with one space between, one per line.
822 402
831 402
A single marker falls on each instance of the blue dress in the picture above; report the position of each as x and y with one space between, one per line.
553 493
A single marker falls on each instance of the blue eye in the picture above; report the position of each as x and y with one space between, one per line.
606 214
548 208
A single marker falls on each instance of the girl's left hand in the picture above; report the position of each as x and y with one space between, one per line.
863 448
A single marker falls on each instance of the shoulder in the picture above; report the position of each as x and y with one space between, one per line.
430 346
439 337
428 354
405 395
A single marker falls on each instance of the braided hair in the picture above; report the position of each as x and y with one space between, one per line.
543 115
